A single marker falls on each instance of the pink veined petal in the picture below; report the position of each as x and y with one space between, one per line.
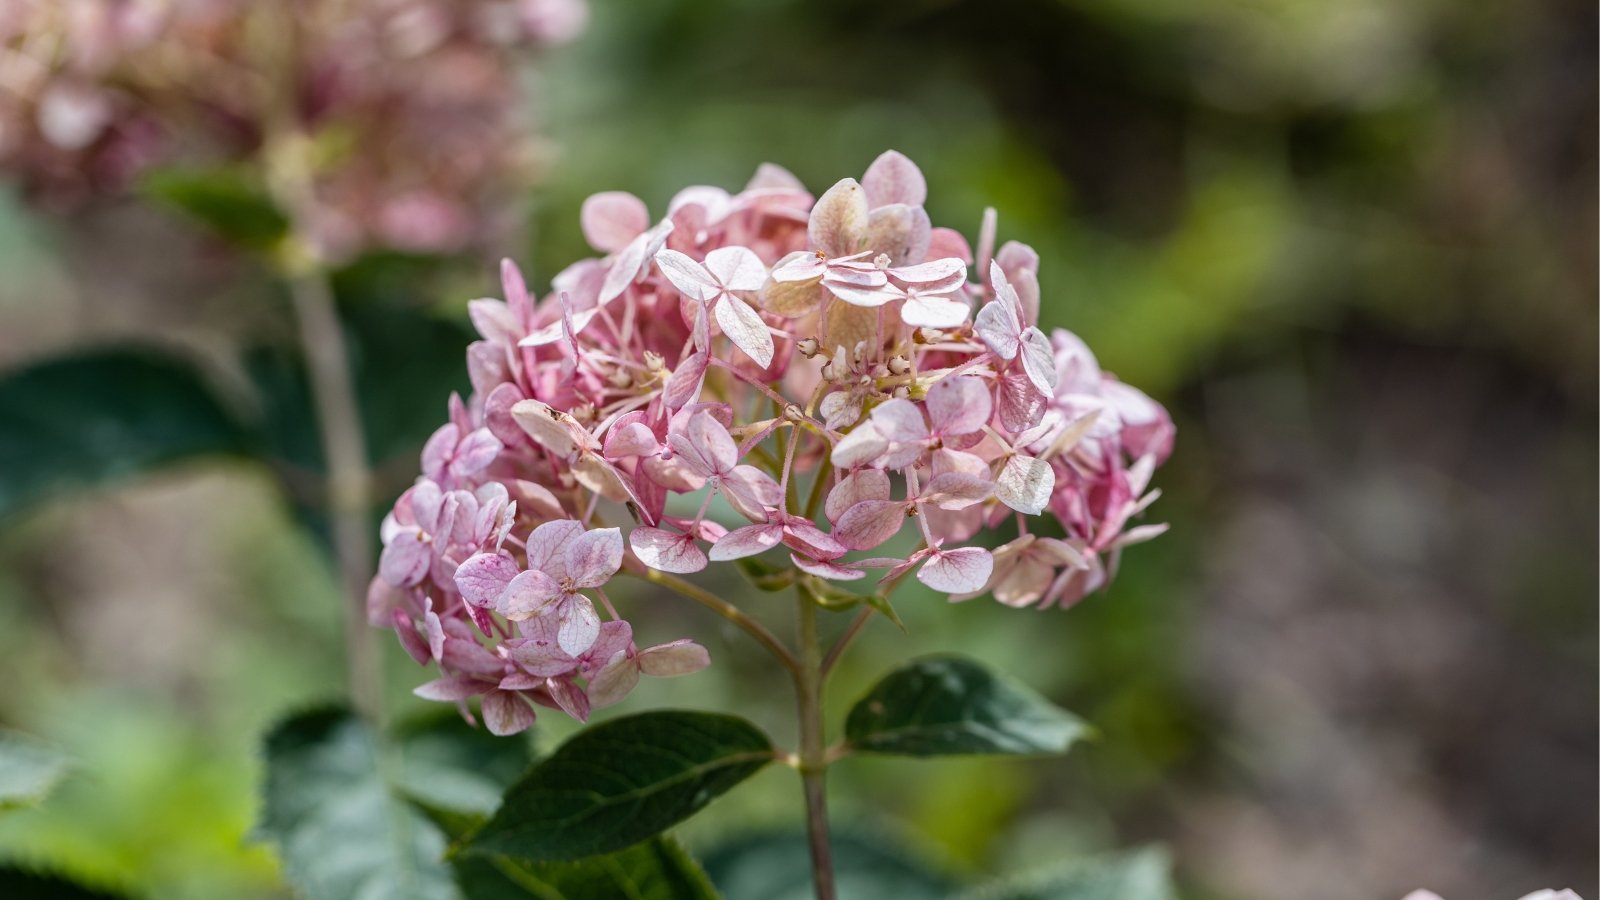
520 681
807 538
868 297
594 556
475 453
948 242
957 571
839 219
949 271
683 386
1037 360
1025 583
1025 484
955 490
406 630
900 421
669 660
869 523
405 559
749 491
570 698
900 232
823 569
666 551
840 409
712 443
737 268
547 545
558 434
612 219
998 328
580 624
934 312
440 447
863 445
538 653
451 688
862 484
1021 404
616 636
801 265
746 541
614 681
892 178
745 328
959 405
484 577
631 439
528 595
515 287
506 713
625 268
689 277
947 460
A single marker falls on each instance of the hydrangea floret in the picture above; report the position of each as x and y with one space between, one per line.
838 372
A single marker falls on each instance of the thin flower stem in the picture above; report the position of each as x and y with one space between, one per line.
813 751
726 610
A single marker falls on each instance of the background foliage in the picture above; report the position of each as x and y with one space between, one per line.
1351 245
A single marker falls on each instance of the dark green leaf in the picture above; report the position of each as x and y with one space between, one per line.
29 770
227 201
21 884
104 414
778 867
335 803
941 705
447 764
657 869
618 783
1141 875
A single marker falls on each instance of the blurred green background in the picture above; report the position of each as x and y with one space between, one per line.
1352 246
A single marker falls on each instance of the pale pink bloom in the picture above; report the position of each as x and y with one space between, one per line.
726 270
706 448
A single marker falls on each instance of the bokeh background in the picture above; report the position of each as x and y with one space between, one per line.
1352 246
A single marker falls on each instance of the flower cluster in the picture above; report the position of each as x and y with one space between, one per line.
827 369
412 106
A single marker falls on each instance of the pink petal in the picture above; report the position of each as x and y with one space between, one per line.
738 268
611 220
746 541
900 232
681 657
840 409
615 637
569 698
528 594
452 688
934 312
956 490
666 551
863 445
822 569
506 713
957 571
1021 404
712 444
1025 484
745 328
1038 361
899 421
594 556
632 439
959 405
949 242
839 219
998 328
870 523
892 178
683 385
484 577
437 451
547 546
558 435
749 491
538 653
406 559
580 625
801 535
406 630
949 273
614 681
862 484
689 277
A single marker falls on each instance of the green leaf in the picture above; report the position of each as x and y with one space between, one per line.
881 603
99 415
226 200
657 869
449 765
943 705
29 770
778 867
767 576
1140 875
22 884
335 808
620 782
828 595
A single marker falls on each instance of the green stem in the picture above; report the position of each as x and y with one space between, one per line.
813 752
